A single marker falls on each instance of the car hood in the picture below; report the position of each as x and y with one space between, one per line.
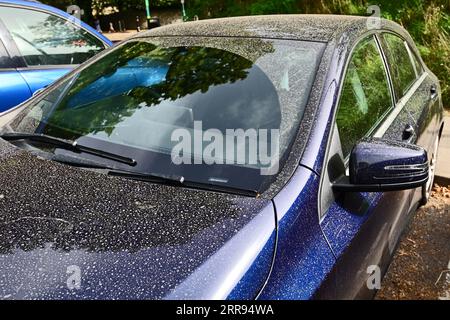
70 233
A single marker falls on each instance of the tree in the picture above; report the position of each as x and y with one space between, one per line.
122 5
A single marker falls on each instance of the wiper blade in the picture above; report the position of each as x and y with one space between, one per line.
67 145
167 179
80 162
73 146
179 181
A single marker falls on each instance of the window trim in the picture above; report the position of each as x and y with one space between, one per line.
400 106
5 37
13 49
411 56
48 67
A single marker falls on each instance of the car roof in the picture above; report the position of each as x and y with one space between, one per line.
33 4
298 27
308 27
44 7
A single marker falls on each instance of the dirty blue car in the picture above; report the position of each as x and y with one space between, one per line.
38 45
94 204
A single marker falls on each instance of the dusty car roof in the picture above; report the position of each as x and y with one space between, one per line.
296 26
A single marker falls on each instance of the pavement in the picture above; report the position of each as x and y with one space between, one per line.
443 164
119 36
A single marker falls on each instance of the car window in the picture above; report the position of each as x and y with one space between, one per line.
45 39
400 65
417 63
136 97
365 96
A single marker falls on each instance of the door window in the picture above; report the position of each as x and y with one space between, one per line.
4 57
365 97
45 39
417 63
400 64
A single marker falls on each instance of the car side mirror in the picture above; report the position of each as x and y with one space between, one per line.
378 165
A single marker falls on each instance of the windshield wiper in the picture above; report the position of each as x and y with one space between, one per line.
179 181
67 145
173 180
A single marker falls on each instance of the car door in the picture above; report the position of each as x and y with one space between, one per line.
362 228
417 91
408 73
49 45
13 88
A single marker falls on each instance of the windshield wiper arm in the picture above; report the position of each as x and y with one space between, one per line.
67 145
173 180
179 181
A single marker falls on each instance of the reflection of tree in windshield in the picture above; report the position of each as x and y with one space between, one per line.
120 83
55 32
199 68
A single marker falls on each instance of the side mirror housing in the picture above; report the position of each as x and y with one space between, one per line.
378 165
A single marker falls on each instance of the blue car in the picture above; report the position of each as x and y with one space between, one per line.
39 44
266 157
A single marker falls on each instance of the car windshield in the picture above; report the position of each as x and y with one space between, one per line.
205 109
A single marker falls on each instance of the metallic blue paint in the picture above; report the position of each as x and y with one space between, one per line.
38 79
360 229
13 89
137 241
303 258
236 271
384 162
304 253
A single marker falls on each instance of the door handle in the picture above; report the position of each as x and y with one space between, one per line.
433 92
408 133
39 90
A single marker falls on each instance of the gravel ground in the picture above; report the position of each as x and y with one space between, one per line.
420 268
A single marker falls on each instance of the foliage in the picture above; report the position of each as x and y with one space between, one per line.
98 5
125 4
428 21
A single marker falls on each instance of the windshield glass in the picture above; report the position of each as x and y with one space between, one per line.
204 109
